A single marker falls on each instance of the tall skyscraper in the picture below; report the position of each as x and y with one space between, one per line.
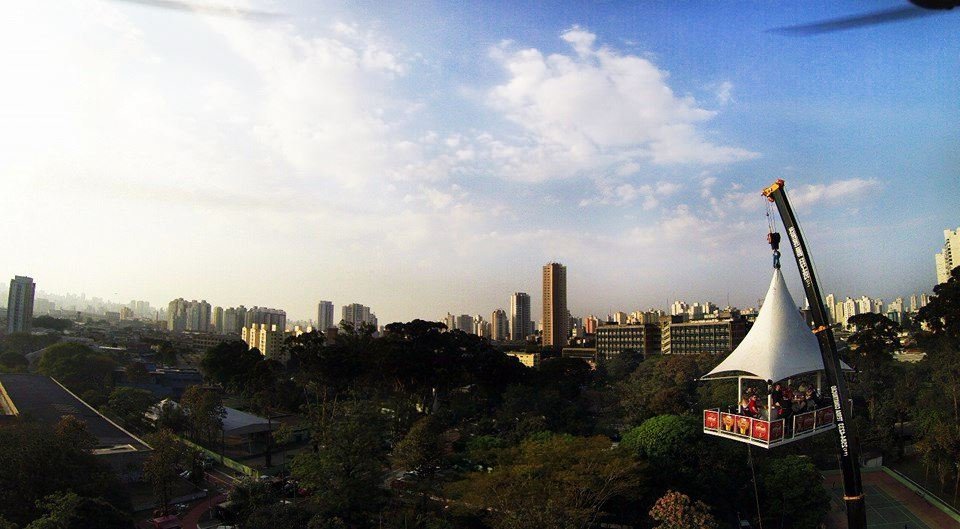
555 316
519 316
949 256
20 304
325 315
499 325
356 314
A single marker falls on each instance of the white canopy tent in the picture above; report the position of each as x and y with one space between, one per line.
780 344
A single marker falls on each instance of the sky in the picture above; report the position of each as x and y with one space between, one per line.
430 157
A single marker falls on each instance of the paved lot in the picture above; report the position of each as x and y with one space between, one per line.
890 505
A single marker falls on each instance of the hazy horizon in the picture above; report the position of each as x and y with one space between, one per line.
428 158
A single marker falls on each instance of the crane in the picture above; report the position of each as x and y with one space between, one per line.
849 449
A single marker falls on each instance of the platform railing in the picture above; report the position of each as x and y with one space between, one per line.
765 432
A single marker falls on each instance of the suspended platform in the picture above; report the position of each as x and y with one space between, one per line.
767 434
779 348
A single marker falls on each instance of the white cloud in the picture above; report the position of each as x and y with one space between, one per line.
724 92
833 192
598 108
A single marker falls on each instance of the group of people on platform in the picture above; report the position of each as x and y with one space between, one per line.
785 401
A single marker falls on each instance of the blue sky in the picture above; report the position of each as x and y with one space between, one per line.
426 157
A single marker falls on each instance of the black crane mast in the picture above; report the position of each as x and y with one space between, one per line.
849 449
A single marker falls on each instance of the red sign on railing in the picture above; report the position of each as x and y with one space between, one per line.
761 430
824 417
804 422
711 419
776 430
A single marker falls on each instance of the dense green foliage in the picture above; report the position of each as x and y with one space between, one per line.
38 463
82 370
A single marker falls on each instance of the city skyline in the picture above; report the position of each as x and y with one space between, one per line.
351 131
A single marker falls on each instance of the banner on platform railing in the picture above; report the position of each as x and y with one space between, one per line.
711 420
824 417
805 422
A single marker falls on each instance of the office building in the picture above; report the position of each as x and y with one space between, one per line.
325 315
705 336
499 325
520 324
20 304
614 339
556 319
949 257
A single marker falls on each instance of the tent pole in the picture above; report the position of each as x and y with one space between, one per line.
739 394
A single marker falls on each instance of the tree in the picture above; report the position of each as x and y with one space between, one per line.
346 467
73 431
78 367
49 322
792 493
162 467
70 511
553 482
136 373
230 364
941 316
38 461
205 412
675 510
871 352
422 449
13 362
129 405
24 342
660 385
665 440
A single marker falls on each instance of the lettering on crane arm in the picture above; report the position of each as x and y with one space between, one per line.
841 425
801 257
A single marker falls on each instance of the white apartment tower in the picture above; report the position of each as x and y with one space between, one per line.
949 256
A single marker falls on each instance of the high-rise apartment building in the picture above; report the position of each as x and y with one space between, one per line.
499 325
230 321
265 316
216 324
519 316
20 304
831 305
949 256
325 315
590 324
464 322
556 319
356 314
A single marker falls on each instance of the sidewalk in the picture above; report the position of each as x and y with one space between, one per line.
192 518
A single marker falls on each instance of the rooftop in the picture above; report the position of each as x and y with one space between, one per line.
43 399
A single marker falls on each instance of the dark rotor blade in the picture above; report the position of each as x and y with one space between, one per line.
203 9
859 21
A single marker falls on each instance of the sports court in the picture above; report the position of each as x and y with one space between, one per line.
890 505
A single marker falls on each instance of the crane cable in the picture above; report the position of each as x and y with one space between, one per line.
756 493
